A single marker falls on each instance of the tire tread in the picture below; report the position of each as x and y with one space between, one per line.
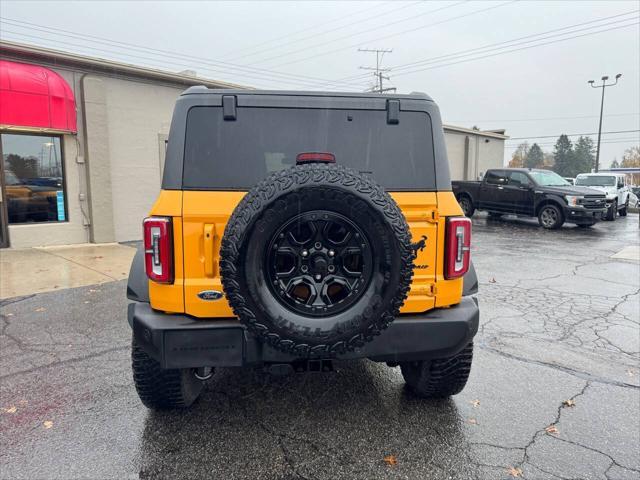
158 388
265 194
441 377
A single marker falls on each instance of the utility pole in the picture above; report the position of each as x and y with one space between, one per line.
603 86
378 71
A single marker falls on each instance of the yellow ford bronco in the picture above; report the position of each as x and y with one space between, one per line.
298 228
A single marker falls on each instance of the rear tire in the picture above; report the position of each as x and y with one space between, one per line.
623 210
467 206
439 378
161 388
611 213
550 217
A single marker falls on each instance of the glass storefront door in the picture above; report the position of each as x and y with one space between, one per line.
33 179
4 229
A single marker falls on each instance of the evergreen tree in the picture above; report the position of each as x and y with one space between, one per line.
584 157
535 157
615 164
563 156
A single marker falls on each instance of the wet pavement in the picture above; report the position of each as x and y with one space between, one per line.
44 269
554 391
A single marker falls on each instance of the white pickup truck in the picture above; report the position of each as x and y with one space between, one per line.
613 185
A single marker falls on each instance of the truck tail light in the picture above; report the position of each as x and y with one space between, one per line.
158 249
457 247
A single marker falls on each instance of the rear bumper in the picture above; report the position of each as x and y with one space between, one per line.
584 215
180 341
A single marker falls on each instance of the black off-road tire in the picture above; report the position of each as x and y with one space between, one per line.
160 388
439 378
623 211
466 204
612 211
550 217
283 196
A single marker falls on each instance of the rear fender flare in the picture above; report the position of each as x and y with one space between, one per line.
138 283
470 282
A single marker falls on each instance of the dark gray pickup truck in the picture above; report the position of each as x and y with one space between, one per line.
532 193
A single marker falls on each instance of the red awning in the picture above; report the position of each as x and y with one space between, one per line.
35 97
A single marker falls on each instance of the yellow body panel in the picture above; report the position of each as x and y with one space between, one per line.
205 213
199 220
170 298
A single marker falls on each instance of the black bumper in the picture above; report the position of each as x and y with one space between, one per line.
584 215
180 341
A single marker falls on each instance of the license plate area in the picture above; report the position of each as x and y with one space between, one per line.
220 347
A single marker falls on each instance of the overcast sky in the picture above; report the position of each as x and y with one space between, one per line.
540 90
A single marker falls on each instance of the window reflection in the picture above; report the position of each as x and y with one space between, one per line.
34 180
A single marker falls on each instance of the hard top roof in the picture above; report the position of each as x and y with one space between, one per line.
200 89
601 174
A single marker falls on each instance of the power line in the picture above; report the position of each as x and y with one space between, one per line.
487 48
573 134
355 45
344 37
156 52
516 49
317 33
491 47
295 32
544 118
551 144
159 63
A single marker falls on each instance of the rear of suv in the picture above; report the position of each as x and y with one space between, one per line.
295 228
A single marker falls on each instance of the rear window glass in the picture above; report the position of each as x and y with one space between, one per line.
496 177
235 155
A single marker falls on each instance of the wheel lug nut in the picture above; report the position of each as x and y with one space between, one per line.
318 277
304 268
304 253
331 253
331 268
318 245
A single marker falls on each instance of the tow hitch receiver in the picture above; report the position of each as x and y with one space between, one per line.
300 366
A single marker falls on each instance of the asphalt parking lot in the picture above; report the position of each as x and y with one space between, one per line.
554 391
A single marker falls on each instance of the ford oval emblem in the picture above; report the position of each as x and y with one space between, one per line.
210 295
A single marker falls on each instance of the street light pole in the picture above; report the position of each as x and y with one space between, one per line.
603 86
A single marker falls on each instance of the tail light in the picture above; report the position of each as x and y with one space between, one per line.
458 245
158 249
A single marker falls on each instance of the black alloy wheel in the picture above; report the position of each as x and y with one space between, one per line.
318 263
550 217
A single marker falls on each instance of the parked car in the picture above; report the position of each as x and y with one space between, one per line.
613 186
533 193
284 237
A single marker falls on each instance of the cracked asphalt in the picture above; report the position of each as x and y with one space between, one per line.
554 391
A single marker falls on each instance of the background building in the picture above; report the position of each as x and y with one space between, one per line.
83 141
472 152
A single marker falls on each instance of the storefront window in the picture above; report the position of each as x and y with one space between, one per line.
33 178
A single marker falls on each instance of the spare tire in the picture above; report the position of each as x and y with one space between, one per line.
316 260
